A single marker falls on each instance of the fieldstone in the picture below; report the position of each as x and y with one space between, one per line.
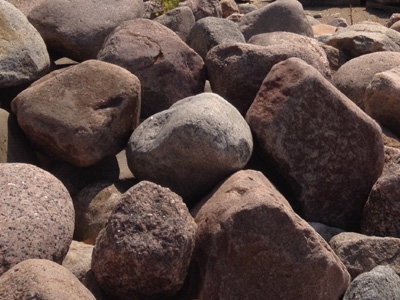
148 241
37 215
396 26
180 20
245 8
25 6
93 207
313 21
210 32
393 19
236 70
229 7
319 140
235 17
281 15
364 38
379 283
78 259
361 253
168 69
250 244
335 57
353 77
191 147
205 8
42 279
325 231
77 29
23 56
338 22
80 114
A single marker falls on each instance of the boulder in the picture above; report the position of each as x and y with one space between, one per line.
245 8
319 140
395 26
379 283
235 17
78 259
361 253
228 7
338 22
251 245
329 3
25 6
168 69
353 77
236 70
205 8
281 15
191 147
77 29
335 57
23 56
210 32
364 38
37 215
80 114
325 231
148 242
42 279
393 19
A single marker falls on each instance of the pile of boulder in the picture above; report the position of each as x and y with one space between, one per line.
217 151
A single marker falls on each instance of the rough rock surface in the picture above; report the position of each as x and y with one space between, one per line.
361 253
192 146
168 69
77 29
228 8
81 114
247 227
180 20
37 215
23 55
319 141
205 8
379 283
78 259
25 6
148 242
42 279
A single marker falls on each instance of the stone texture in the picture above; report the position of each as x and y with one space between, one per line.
353 77
379 283
251 245
228 7
245 8
77 29
325 231
236 70
25 6
323 30
210 32
81 114
328 149
23 55
42 279
335 57
168 69
148 241
191 147
205 8
78 259
338 22
393 19
330 3
37 215
361 253
281 15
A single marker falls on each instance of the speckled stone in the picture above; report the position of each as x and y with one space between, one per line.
36 215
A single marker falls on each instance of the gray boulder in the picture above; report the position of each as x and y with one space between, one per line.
192 146
23 55
205 8
80 114
168 69
77 29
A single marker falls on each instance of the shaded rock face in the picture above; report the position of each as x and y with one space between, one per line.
320 141
78 259
364 38
42 279
205 8
282 15
37 215
354 76
79 33
251 245
81 114
148 242
191 147
180 20
23 56
168 69
361 253
379 283
210 32
236 70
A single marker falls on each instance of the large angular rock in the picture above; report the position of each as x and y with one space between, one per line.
329 150
236 70
205 8
148 242
23 55
251 245
282 15
42 279
77 29
180 20
168 69
192 146
37 215
81 114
